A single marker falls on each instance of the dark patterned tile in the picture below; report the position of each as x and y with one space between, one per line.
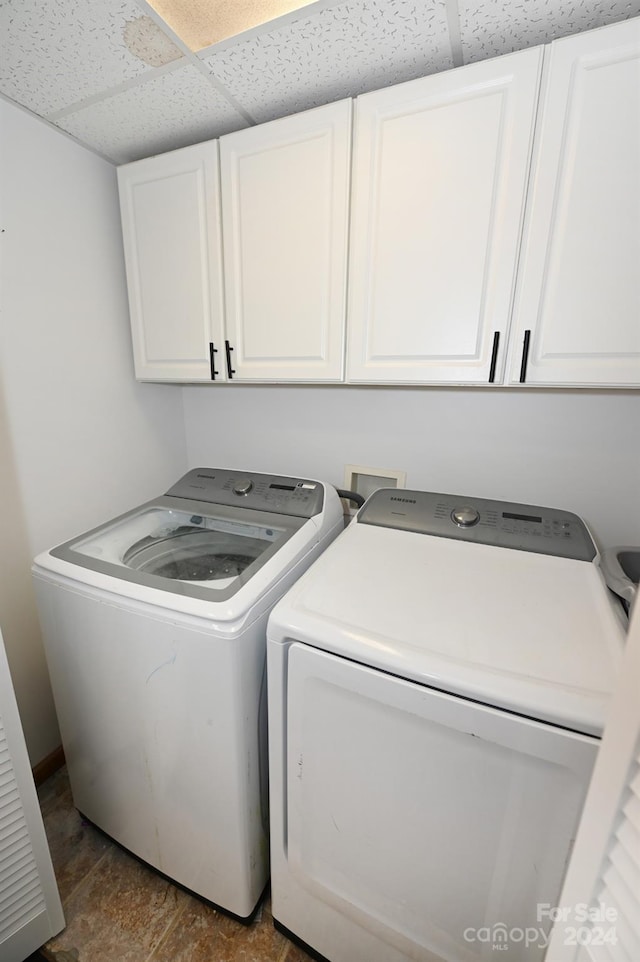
200 934
118 910
119 914
76 847
54 791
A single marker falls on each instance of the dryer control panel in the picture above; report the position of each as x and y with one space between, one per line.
297 497
504 524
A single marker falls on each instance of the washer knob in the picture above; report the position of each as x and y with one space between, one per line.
243 487
465 517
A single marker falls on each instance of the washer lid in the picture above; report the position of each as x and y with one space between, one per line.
185 547
527 632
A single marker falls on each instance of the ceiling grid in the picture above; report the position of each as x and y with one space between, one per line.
114 76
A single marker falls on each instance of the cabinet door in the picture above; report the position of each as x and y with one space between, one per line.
579 289
285 188
171 230
440 173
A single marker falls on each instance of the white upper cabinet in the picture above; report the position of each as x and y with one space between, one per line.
494 233
285 205
440 177
171 230
578 300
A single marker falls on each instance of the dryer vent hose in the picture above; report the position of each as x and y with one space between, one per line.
351 496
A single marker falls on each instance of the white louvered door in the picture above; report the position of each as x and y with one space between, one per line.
618 884
30 909
604 872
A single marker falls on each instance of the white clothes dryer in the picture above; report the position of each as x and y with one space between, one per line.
438 684
154 627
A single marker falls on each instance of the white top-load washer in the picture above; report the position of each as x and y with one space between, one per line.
438 683
155 634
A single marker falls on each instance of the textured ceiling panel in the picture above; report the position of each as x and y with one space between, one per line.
110 73
339 52
489 28
54 53
177 108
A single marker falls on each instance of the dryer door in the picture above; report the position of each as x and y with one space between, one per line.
436 824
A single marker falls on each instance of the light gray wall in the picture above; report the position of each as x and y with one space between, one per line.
578 450
80 440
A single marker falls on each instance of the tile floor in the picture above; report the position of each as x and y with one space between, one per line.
117 910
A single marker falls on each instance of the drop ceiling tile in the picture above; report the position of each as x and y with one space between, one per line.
174 109
339 52
55 53
489 28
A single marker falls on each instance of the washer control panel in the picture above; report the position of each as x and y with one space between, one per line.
504 524
298 497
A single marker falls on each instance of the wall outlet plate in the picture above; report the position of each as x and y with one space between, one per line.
365 480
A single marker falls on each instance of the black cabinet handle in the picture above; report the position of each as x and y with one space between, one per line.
212 360
230 370
525 356
494 357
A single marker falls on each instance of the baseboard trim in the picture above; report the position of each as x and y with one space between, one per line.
44 769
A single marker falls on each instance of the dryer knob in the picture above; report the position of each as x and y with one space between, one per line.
243 487
465 517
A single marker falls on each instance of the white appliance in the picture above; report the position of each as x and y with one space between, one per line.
155 634
438 683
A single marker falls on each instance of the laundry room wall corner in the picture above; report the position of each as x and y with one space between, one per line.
18 617
80 439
